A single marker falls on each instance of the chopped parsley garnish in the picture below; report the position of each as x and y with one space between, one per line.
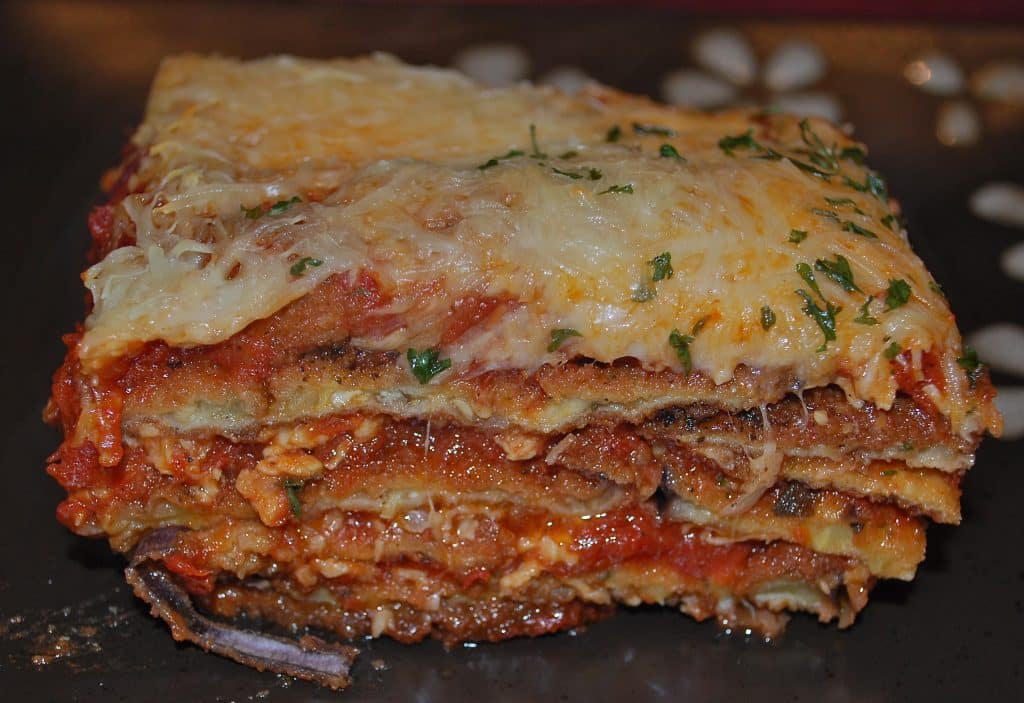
825 213
282 205
570 174
646 129
854 154
614 134
797 235
291 488
662 265
808 275
970 363
826 318
767 317
537 153
740 141
893 222
844 202
889 472
892 351
838 271
593 174
299 267
255 213
681 344
821 166
667 151
898 294
559 336
628 188
873 183
820 154
512 153
568 154
865 316
907 446
850 226
425 364
807 168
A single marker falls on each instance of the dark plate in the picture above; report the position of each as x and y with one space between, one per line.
75 85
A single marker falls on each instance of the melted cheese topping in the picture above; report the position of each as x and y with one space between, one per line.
386 160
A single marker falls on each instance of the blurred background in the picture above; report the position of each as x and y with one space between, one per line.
935 89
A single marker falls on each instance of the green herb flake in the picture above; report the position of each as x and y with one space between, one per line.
825 318
614 134
512 153
568 174
667 151
649 129
559 336
808 275
865 316
970 363
889 473
853 153
850 226
893 222
681 344
821 155
740 141
797 235
897 295
807 168
299 267
892 351
425 364
845 202
291 488
537 153
839 272
255 213
767 318
907 446
662 265
281 205
873 183
628 188
824 213
590 173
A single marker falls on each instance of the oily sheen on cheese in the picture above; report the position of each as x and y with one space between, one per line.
386 163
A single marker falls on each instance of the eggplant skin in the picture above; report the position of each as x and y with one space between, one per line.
309 658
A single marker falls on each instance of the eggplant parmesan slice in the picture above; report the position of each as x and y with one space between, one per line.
374 350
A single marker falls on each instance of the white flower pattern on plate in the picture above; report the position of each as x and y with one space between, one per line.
730 70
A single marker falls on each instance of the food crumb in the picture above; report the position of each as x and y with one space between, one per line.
379 665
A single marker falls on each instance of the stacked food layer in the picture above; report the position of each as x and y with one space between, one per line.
404 356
